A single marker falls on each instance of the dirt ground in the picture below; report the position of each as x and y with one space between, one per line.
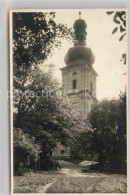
70 179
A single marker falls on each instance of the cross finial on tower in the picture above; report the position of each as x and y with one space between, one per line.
79 15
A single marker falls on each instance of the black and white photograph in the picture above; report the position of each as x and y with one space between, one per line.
68 111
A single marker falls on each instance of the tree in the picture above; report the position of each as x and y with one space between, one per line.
81 144
108 120
35 35
41 112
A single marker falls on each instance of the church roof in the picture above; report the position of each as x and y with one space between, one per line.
81 53
80 24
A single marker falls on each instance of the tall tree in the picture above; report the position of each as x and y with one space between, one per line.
35 35
108 119
40 112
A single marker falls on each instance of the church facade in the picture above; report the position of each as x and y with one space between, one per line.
78 76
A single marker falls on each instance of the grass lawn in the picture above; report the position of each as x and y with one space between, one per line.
109 184
70 179
32 182
63 184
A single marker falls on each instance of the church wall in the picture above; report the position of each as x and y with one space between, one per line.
84 77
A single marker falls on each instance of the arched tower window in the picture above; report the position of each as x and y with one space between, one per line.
74 84
91 87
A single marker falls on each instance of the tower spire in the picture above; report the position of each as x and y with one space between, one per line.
80 31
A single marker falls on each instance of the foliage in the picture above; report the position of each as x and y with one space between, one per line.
37 113
41 112
108 140
104 139
25 150
62 152
80 145
119 17
35 35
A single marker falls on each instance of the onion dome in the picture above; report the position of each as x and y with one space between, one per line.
80 24
79 53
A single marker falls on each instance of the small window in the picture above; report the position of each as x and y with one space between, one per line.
74 73
74 84
91 87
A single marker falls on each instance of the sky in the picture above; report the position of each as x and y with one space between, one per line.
106 48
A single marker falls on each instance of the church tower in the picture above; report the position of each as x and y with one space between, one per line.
78 76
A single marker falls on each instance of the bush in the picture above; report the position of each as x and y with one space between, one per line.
26 151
